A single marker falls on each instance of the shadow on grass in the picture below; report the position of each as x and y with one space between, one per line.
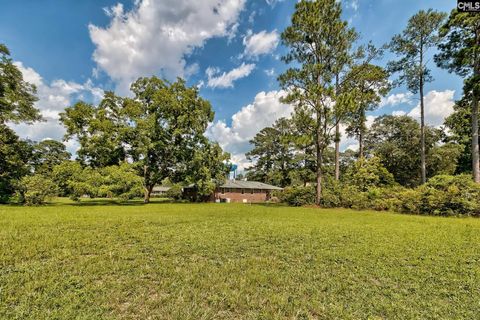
107 202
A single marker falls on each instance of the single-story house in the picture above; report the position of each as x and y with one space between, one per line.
159 191
237 191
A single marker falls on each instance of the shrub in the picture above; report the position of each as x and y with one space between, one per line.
175 192
34 190
368 173
442 195
298 196
450 195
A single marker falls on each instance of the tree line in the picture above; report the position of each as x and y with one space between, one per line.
333 80
126 143
157 134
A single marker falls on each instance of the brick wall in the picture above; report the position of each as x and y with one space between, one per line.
235 195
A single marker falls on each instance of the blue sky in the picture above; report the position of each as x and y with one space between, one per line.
75 49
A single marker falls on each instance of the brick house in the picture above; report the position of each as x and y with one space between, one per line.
238 191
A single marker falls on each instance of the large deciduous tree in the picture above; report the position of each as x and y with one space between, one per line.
101 131
316 39
168 122
17 97
161 128
412 46
460 53
47 154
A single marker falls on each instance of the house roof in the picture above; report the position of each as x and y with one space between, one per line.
160 189
236 184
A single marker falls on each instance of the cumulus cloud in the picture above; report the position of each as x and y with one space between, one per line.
53 98
396 99
399 113
156 36
246 123
438 106
257 44
226 79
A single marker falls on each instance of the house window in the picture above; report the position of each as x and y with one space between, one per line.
222 190
243 191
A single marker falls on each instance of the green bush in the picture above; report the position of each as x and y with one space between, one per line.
450 195
442 195
34 190
298 196
175 192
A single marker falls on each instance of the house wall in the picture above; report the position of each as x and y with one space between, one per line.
235 195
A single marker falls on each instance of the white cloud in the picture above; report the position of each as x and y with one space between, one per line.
246 123
438 106
226 79
396 99
260 43
53 98
399 113
156 36
270 72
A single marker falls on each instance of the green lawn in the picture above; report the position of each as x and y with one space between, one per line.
226 261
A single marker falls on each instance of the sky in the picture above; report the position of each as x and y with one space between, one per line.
74 50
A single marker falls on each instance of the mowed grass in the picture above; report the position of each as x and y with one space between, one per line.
226 261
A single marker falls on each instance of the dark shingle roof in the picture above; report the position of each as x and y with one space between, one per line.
236 184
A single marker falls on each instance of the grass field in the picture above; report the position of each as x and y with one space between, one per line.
226 261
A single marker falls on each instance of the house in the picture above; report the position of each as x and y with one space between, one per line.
237 191
159 191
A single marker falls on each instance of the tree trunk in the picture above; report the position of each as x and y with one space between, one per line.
337 152
360 145
337 138
422 121
147 193
422 138
361 135
319 170
475 147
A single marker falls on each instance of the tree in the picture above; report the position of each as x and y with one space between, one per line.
207 169
47 154
161 129
167 126
412 46
15 156
17 97
100 130
460 53
370 84
35 189
459 125
273 154
395 141
64 174
316 38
